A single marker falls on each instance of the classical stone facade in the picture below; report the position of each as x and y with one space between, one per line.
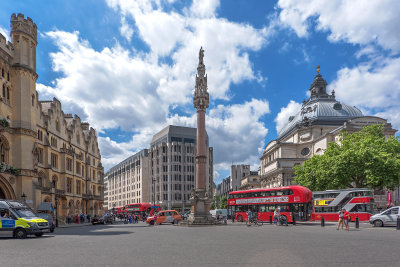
56 154
309 132
250 181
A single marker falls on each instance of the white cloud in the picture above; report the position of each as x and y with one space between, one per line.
235 131
373 86
357 21
180 36
204 8
5 33
125 30
283 116
134 90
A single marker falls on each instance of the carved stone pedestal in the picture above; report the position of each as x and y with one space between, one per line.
200 214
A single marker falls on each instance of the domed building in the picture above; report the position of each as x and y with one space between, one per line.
308 132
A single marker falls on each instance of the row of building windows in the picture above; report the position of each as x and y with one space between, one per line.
6 92
3 74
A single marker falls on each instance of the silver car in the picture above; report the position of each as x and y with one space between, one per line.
387 217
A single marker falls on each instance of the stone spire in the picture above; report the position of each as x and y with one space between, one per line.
201 97
200 197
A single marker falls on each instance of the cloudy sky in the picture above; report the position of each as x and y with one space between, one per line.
128 67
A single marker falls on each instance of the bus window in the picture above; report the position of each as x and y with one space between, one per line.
273 193
279 193
266 194
262 208
256 194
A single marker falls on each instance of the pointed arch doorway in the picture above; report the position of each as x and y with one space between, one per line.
6 191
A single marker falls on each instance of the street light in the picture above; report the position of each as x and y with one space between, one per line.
23 196
56 200
56 208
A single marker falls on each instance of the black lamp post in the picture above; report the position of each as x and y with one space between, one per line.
56 200
23 196
56 208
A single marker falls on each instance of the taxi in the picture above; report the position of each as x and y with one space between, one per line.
18 220
165 216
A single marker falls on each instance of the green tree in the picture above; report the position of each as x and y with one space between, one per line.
223 203
361 159
215 202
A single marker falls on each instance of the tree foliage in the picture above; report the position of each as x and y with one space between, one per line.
223 203
361 159
215 203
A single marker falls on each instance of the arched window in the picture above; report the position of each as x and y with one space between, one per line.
33 100
4 147
8 93
57 125
54 182
8 76
40 181
4 91
2 153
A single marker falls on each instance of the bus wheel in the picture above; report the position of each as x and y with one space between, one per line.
20 233
175 222
39 234
151 222
378 223
240 218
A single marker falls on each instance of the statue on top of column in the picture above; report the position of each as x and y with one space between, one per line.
201 56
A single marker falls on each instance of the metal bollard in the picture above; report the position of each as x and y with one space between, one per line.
270 219
398 223
323 221
357 223
294 219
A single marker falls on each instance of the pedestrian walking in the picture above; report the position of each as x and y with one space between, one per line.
249 215
276 216
340 222
88 218
76 218
130 219
346 219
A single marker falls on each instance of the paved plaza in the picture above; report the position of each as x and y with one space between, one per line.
231 245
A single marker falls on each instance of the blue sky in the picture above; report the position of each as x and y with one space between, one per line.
128 67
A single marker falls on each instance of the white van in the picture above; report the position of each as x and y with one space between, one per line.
221 212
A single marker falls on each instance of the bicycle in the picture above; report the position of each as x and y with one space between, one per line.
255 222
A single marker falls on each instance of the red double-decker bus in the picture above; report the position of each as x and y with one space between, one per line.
290 201
142 209
358 201
119 210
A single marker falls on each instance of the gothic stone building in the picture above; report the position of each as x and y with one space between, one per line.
55 154
308 132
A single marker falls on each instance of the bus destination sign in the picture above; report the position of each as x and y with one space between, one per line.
262 200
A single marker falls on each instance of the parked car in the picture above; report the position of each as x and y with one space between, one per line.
165 216
386 218
102 220
48 218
